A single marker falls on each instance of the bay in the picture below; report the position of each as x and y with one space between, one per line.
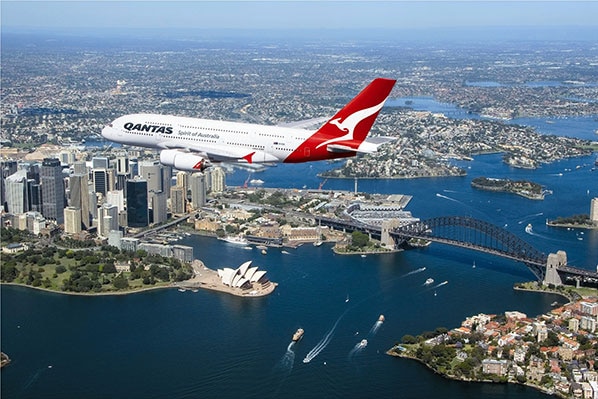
166 343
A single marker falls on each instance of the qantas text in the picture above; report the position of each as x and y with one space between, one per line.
148 128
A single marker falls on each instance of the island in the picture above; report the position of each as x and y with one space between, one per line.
523 188
554 352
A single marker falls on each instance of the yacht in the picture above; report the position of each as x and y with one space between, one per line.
298 335
429 281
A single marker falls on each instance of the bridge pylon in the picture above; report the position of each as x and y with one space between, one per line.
552 275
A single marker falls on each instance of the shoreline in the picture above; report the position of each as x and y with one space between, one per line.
106 293
393 353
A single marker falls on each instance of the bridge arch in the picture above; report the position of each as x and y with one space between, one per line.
467 232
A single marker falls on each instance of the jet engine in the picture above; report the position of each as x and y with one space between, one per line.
184 160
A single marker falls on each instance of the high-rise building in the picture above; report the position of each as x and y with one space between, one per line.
197 181
7 168
35 196
178 200
137 204
72 220
107 219
100 181
100 163
122 166
53 194
218 179
17 192
79 168
115 197
152 172
159 207
182 180
79 197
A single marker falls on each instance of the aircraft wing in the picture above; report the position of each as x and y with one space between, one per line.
304 124
220 153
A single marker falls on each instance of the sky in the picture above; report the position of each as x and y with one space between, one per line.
247 14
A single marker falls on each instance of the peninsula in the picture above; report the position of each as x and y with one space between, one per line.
554 352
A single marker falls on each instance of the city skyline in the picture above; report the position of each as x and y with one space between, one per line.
351 15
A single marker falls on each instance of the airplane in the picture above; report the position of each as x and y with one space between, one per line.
193 144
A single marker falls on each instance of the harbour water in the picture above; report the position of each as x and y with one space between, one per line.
166 343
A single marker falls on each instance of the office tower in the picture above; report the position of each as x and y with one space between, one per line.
79 197
182 180
7 168
152 172
159 206
121 182
100 163
79 168
100 181
218 179
17 192
107 219
115 197
137 209
72 220
35 196
122 166
197 181
178 200
93 204
53 197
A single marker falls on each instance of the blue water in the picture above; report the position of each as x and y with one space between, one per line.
165 343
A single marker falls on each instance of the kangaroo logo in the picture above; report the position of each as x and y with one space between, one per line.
350 122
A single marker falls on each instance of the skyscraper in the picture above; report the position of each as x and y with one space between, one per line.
72 220
218 180
79 197
53 196
137 205
178 200
159 207
17 192
197 182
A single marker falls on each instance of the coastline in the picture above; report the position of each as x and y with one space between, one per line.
392 352
106 293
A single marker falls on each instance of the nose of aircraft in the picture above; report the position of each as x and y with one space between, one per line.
107 130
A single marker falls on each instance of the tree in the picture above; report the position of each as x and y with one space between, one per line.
408 339
359 239
120 282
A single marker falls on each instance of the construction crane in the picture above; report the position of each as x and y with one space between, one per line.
321 184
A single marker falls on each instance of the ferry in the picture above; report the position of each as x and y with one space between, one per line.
528 228
298 335
256 181
381 318
429 281
363 343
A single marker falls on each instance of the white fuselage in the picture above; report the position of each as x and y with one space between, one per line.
232 140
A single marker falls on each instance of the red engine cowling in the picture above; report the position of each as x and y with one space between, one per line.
184 160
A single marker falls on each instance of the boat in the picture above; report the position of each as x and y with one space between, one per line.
381 318
317 243
429 281
182 290
298 335
264 252
347 300
256 181
235 240
528 228
363 343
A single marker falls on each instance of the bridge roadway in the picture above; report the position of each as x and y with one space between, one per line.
161 227
517 249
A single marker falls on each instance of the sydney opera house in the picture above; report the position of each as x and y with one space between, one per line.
243 277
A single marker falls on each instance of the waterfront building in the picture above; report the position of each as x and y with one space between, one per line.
198 190
243 276
137 204
53 192
72 220
156 249
183 253
589 308
218 180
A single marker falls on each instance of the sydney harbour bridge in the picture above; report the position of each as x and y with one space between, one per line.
477 235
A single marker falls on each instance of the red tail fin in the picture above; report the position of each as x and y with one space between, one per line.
345 131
